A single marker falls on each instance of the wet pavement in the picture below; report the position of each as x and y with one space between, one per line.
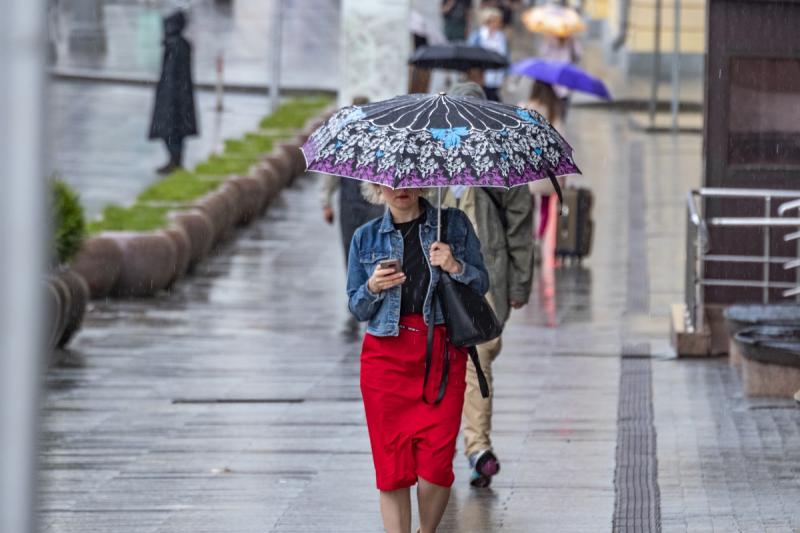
232 402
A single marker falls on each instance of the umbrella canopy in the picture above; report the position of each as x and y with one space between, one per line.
561 73
552 19
423 140
457 57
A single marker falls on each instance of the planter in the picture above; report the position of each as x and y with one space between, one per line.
75 309
199 230
295 157
282 163
267 174
300 139
216 208
57 301
771 360
740 317
149 262
235 200
98 263
254 197
183 250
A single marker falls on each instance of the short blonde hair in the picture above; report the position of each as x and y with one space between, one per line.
372 192
489 13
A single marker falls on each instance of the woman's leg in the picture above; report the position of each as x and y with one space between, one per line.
396 510
432 501
544 216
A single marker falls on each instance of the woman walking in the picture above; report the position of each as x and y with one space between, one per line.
413 437
545 100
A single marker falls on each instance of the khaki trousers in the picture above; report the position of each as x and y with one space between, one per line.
477 413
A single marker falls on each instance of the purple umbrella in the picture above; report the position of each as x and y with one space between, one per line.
423 140
561 73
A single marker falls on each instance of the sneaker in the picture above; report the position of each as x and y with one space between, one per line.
484 465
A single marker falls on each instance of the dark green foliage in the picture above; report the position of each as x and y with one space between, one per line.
69 225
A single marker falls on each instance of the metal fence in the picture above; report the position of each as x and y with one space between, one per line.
698 244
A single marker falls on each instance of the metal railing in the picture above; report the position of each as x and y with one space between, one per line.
698 245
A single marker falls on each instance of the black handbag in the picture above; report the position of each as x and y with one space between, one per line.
469 321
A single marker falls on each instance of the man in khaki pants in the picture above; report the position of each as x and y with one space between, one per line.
503 221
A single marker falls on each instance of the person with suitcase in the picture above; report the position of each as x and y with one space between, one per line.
544 99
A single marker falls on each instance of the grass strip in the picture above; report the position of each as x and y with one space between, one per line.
137 217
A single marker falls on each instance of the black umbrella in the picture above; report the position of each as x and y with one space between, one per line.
457 57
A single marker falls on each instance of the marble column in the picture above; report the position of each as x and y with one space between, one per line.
88 34
375 46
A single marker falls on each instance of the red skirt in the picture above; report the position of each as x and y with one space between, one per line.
410 438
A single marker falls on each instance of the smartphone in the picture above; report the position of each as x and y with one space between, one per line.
393 264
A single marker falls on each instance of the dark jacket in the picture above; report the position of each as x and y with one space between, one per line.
173 112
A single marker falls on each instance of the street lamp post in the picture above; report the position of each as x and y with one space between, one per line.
277 26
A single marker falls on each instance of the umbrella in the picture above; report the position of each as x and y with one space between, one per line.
552 19
561 73
424 140
457 57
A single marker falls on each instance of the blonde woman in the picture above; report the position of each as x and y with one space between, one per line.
393 268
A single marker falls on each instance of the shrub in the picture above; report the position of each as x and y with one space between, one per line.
69 224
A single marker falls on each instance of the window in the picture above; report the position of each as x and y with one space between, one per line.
764 112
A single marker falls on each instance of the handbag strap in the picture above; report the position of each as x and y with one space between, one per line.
483 384
429 357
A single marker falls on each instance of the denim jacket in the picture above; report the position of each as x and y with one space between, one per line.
378 240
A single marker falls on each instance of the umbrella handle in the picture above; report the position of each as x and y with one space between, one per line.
557 187
439 215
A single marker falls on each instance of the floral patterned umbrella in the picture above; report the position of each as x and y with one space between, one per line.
423 140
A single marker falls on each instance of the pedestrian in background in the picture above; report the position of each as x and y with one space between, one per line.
354 210
413 438
503 221
546 101
455 15
174 111
567 50
490 36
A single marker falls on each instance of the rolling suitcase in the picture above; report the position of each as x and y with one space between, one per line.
575 227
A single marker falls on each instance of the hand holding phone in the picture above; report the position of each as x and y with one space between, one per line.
393 264
386 276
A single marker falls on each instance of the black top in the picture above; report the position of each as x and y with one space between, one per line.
415 266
